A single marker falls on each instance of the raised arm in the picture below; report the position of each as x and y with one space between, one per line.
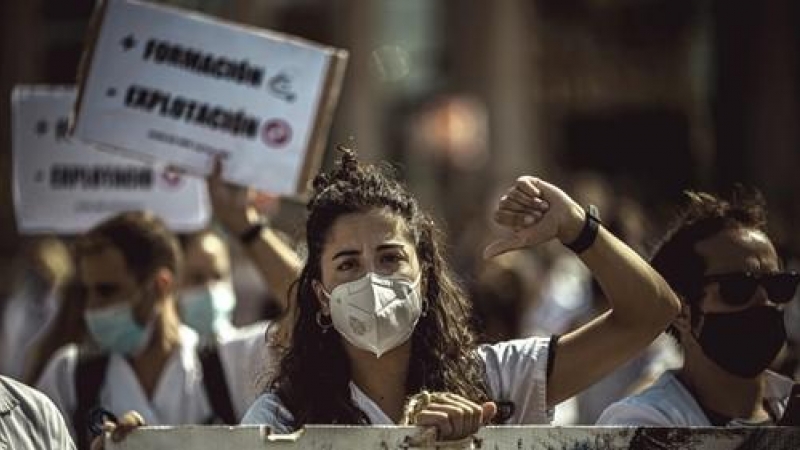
642 304
277 262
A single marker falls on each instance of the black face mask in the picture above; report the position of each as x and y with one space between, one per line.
743 343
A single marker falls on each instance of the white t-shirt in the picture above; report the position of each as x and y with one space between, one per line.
516 371
179 396
667 403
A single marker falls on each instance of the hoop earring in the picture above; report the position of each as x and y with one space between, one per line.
323 324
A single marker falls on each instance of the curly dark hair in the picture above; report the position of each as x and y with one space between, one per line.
314 374
704 215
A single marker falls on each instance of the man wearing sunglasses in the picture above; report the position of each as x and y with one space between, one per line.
720 261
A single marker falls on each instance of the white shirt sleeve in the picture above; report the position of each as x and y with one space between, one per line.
516 371
57 383
268 410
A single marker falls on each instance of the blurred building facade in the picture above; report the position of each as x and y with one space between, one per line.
658 95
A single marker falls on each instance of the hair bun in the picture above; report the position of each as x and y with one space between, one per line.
348 166
347 171
348 161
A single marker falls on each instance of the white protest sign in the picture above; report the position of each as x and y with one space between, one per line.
494 438
184 88
62 185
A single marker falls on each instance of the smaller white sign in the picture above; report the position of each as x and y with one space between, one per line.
185 89
62 185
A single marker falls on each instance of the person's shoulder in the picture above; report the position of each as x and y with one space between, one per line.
268 400
28 395
244 336
268 409
68 352
664 388
18 389
62 361
777 386
646 408
254 329
628 412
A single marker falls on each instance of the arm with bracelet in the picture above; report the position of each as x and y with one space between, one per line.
277 262
642 304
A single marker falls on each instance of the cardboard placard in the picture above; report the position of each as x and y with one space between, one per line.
62 185
183 88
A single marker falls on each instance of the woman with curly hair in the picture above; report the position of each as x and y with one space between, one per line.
380 317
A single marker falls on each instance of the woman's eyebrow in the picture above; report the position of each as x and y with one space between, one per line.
391 246
386 246
345 253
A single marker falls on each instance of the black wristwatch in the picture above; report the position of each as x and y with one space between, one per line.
589 232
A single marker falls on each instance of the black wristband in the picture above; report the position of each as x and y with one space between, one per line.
589 232
252 233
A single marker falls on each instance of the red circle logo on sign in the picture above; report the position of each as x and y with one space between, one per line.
276 133
171 178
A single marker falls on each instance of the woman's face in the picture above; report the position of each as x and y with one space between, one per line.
376 241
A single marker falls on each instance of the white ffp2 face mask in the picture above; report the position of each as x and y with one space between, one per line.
375 313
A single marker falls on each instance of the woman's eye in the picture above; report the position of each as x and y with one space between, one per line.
392 258
346 265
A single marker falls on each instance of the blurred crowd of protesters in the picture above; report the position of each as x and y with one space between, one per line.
190 329
515 295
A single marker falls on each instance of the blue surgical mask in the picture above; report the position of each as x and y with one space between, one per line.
208 308
115 329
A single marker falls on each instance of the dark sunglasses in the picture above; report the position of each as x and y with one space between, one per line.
737 288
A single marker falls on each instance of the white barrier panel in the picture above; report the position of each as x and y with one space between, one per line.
489 438
63 185
180 87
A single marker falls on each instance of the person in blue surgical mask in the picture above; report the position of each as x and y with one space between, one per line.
380 316
139 356
206 303
207 299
